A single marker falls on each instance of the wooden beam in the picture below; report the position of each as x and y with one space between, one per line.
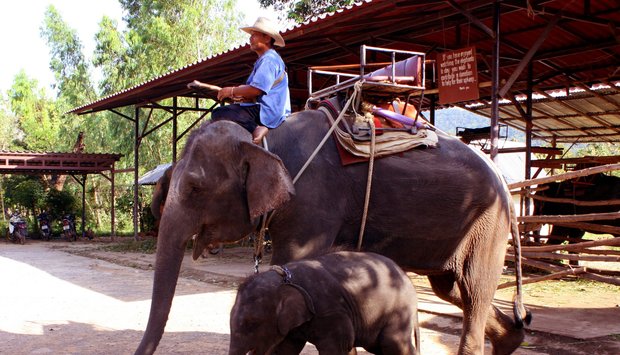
573 257
570 218
575 202
610 242
565 176
557 275
591 227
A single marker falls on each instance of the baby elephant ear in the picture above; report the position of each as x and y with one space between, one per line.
268 184
292 310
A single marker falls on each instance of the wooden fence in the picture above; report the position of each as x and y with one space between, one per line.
545 257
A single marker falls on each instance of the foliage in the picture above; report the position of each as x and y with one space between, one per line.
303 10
59 203
164 35
36 115
68 63
158 36
9 129
24 193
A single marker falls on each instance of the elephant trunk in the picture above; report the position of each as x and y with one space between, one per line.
167 267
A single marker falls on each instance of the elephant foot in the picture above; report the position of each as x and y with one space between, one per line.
503 333
259 133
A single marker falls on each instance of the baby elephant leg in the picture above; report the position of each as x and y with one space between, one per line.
396 339
290 346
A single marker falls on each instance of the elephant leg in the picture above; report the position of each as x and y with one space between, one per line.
498 326
472 335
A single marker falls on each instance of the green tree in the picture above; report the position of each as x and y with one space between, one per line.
25 193
303 10
165 35
9 129
36 114
70 68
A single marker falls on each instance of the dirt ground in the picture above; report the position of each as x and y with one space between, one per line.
75 298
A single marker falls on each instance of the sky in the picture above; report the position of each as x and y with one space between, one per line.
23 48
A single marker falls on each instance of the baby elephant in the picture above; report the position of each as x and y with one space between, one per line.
337 301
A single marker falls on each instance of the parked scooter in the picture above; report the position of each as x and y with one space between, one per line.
18 229
44 226
68 228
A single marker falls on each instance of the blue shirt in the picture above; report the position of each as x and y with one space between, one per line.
275 103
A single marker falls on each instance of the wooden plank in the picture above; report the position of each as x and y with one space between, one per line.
575 202
574 257
569 218
555 268
573 247
591 227
565 176
606 159
553 276
537 150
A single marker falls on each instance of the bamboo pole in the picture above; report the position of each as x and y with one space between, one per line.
553 276
565 176
569 218
573 201
555 268
602 252
611 242
591 227
577 257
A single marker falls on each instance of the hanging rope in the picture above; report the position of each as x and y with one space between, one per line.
371 164
266 219
356 89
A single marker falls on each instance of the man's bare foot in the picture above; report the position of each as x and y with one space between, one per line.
259 133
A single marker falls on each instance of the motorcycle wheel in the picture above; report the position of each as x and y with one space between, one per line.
21 237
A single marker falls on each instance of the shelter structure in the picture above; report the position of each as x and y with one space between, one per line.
548 67
78 165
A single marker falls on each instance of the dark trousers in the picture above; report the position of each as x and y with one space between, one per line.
247 117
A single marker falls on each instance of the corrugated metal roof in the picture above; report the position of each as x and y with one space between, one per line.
151 177
582 49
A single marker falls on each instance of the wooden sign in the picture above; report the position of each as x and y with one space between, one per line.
458 76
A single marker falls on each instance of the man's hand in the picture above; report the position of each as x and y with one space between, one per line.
194 85
225 93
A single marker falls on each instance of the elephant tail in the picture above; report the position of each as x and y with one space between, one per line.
522 315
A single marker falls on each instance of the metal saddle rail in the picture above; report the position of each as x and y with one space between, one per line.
393 78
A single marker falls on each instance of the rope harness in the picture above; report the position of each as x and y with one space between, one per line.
287 280
266 218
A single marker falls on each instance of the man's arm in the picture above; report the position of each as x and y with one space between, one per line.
241 92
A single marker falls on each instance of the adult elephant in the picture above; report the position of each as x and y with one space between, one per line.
443 212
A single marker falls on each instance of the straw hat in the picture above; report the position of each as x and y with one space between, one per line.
264 25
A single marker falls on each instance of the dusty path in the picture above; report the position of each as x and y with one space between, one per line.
55 302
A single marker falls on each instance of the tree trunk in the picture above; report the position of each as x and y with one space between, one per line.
59 180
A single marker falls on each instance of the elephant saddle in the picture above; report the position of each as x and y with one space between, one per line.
395 132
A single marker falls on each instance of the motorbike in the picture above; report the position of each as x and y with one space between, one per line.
68 228
18 229
44 226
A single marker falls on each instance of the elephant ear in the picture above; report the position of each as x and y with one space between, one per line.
268 184
292 310
161 192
